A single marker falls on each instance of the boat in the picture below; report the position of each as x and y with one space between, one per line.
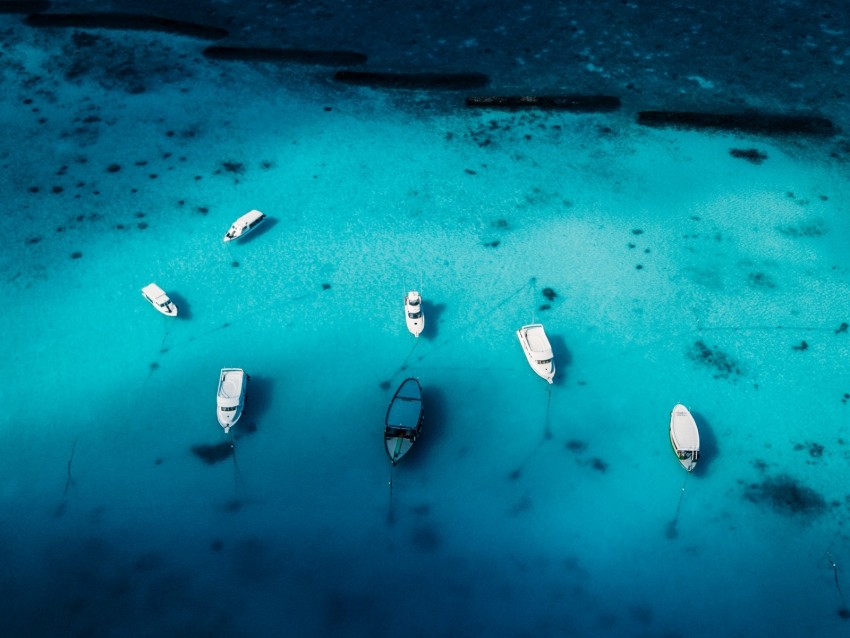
684 436
413 313
231 396
537 350
244 225
404 419
159 300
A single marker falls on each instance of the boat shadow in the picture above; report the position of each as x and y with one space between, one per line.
184 310
259 231
434 406
258 397
563 358
432 312
708 449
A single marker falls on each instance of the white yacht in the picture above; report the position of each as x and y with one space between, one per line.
684 436
404 419
413 313
159 300
537 350
231 396
244 225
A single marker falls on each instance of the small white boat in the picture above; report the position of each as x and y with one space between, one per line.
537 350
404 419
684 436
231 396
244 225
413 313
159 300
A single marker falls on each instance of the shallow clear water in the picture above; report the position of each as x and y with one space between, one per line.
679 273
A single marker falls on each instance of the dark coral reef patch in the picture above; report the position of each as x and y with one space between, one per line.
572 103
212 454
422 81
752 155
723 365
298 56
747 122
125 21
786 495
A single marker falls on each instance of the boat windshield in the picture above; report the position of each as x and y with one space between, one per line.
228 409
545 361
402 433
414 315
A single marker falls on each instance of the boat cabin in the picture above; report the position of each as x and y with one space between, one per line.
414 305
404 416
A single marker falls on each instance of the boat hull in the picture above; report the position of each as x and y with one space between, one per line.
684 437
404 419
244 225
397 447
230 398
413 315
158 299
538 351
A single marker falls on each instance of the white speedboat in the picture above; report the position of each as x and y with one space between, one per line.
159 300
537 350
404 419
231 396
413 313
684 436
244 225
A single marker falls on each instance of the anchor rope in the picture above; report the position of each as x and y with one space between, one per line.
70 461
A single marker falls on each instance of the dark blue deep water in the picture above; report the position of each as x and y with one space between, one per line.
695 264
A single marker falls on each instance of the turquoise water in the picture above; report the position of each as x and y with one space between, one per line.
680 274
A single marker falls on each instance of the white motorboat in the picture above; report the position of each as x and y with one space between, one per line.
537 350
684 436
244 225
404 419
159 300
231 396
413 313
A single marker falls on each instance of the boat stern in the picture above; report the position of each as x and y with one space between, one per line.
684 436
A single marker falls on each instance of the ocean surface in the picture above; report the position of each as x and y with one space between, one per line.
668 264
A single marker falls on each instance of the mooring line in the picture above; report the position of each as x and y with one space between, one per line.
681 496
390 513
835 574
409 354
70 460
460 331
236 474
